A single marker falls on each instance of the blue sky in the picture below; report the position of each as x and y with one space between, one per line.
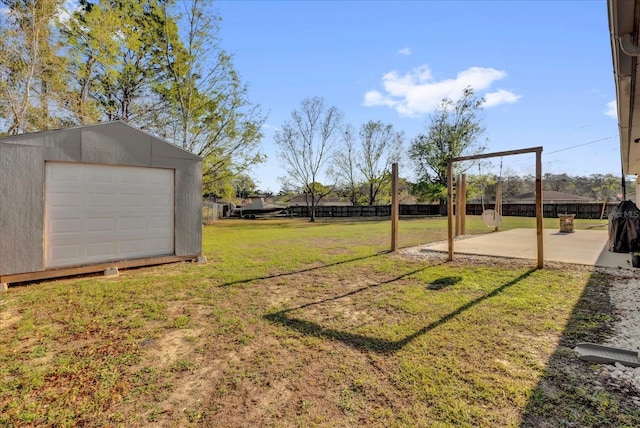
544 67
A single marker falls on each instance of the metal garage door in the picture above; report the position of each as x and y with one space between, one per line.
98 213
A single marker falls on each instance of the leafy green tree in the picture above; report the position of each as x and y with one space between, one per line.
481 187
32 82
176 83
306 143
425 191
208 111
116 52
557 182
404 191
318 191
605 186
454 131
513 185
94 59
243 186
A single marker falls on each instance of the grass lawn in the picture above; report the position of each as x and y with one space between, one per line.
299 324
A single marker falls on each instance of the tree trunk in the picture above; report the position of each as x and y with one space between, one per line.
312 208
312 212
371 196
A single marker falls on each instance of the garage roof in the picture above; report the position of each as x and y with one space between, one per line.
98 139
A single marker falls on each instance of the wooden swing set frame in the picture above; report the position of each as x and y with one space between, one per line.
538 152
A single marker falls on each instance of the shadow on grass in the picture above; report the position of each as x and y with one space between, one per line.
445 281
359 290
570 392
362 342
285 274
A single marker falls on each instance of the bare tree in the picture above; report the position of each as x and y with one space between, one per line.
344 167
363 168
306 143
381 146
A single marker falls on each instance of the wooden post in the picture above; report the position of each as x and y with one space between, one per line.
394 207
498 207
539 211
463 204
450 208
457 205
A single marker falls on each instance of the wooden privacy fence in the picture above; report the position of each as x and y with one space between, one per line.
343 211
582 210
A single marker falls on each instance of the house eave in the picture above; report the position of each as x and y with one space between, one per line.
623 18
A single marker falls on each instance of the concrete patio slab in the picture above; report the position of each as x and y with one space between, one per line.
585 247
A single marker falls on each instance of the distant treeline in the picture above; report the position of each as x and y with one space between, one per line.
595 187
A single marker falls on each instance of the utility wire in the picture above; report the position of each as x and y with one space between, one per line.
528 156
580 145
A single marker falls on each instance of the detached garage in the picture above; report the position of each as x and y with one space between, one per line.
85 199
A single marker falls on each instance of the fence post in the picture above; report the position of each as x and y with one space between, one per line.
539 200
394 207
450 209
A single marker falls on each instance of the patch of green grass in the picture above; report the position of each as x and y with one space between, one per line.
293 323
182 365
193 415
153 416
153 310
182 321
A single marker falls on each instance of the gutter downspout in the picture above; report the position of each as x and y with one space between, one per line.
633 50
628 47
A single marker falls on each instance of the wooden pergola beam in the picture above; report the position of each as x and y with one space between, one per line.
497 154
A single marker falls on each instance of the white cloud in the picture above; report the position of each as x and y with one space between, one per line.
405 51
500 97
612 109
418 92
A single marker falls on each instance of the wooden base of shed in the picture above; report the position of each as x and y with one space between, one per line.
81 270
